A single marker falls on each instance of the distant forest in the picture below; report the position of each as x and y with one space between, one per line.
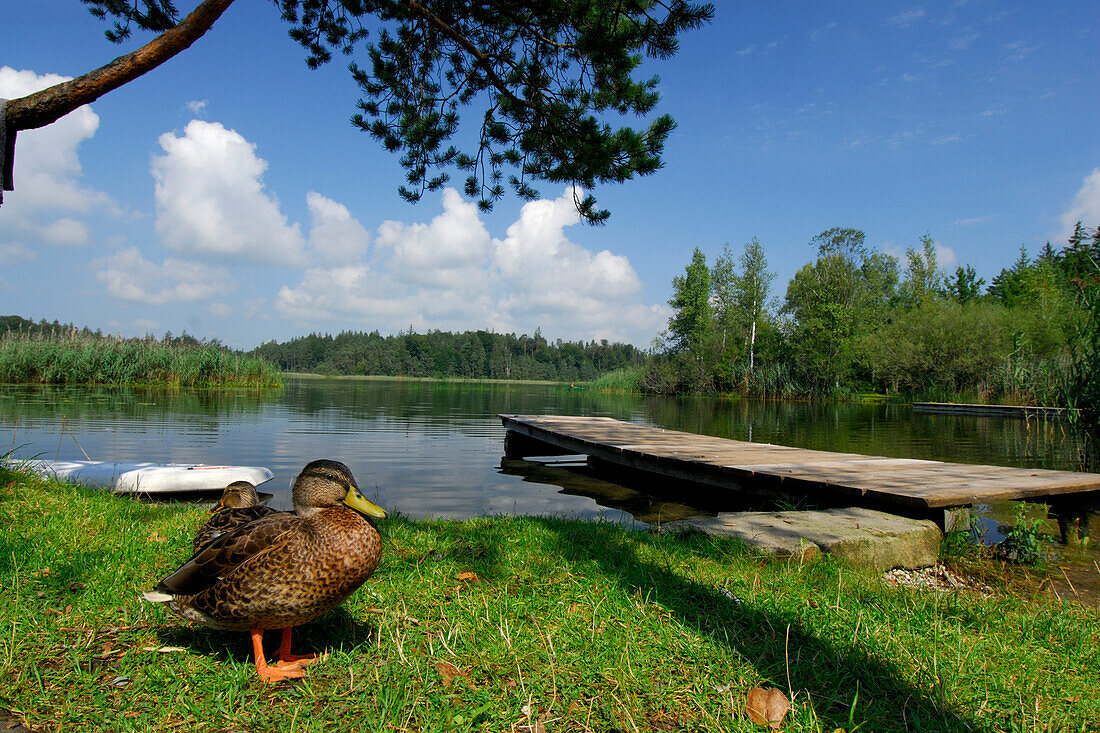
441 354
438 354
853 321
19 326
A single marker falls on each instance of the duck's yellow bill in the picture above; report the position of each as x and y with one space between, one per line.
359 503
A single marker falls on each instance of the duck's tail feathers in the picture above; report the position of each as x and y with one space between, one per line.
156 596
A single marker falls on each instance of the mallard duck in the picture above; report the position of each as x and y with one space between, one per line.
282 570
239 504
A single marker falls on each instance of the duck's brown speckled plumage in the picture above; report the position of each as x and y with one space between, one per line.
239 505
279 571
284 569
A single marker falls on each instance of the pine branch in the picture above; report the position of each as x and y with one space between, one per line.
483 60
51 104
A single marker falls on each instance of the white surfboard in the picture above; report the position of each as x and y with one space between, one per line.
147 478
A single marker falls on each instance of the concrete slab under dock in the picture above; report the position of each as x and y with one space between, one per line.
864 536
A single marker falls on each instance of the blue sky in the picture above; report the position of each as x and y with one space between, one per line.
226 194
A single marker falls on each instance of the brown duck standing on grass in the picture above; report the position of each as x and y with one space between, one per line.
239 505
282 570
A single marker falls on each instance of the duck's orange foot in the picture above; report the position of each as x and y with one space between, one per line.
296 661
275 673
291 661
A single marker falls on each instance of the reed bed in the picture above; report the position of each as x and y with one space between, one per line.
628 379
82 358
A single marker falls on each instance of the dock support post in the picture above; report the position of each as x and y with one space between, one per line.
517 445
956 519
1073 524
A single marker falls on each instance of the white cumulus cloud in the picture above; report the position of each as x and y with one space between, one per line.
451 250
127 275
335 236
1085 207
450 274
211 200
48 189
537 258
65 232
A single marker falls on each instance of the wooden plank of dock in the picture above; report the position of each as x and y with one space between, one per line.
737 464
1026 412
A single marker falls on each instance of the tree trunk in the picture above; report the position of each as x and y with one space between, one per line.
752 339
51 104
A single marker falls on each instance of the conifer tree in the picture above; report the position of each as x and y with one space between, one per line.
1010 285
692 320
966 286
544 82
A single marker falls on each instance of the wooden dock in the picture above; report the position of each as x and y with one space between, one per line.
1026 412
737 465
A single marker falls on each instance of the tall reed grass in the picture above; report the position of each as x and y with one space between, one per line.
82 358
627 379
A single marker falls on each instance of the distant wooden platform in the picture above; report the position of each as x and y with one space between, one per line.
737 465
961 408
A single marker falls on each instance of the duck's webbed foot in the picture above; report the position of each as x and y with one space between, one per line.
287 660
276 672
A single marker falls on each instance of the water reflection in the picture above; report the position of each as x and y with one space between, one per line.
433 449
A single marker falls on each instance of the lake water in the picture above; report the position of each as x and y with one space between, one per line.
436 449
432 449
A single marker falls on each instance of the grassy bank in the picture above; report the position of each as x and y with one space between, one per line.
523 624
80 358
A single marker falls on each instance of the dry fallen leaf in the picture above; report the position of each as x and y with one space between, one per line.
767 707
448 672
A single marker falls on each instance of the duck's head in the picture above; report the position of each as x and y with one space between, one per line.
325 483
237 495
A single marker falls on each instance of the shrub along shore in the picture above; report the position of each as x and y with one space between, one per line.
80 357
500 623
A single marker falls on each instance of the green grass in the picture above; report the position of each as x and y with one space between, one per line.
577 626
85 359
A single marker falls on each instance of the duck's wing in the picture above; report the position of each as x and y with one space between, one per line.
227 520
219 557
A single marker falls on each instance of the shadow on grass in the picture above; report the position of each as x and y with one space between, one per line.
337 629
833 674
